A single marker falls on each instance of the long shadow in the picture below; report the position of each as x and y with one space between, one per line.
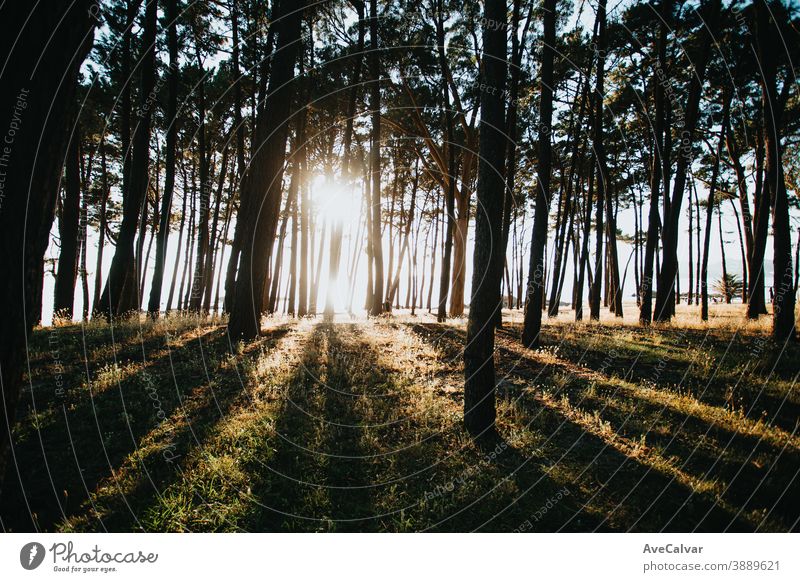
318 478
203 408
612 477
88 437
639 360
758 472
349 467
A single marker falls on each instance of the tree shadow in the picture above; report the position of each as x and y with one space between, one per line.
95 439
319 477
623 490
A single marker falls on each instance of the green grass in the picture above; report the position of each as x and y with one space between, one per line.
355 426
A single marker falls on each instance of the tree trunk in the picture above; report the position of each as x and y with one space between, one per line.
769 47
710 212
534 295
452 169
376 307
479 385
756 302
261 191
665 306
584 260
120 294
68 226
178 251
725 287
154 304
43 46
659 141
316 275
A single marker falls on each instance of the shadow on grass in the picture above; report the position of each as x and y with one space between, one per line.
634 487
103 436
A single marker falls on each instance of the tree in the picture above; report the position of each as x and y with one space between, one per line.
535 290
121 292
659 138
375 160
728 286
664 305
261 188
479 385
68 224
154 303
768 17
710 210
44 46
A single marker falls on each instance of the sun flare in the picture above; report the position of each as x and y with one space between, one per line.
336 200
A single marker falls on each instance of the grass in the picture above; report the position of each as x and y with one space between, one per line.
355 426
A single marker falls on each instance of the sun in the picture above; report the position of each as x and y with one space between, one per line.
337 201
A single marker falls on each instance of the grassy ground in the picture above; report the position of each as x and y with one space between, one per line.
355 426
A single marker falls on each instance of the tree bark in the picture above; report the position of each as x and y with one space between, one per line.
376 307
120 295
659 140
479 385
154 304
768 41
43 46
68 225
534 295
710 212
261 191
665 305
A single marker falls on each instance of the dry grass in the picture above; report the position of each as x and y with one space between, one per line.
355 426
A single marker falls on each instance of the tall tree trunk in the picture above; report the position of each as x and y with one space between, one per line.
600 160
512 130
68 226
375 153
756 302
208 269
450 179
203 235
272 283
43 46
406 235
261 191
120 294
434 244
154 304
305 217
187 262
744 205
584 260
741 249
725 287
604 182
534 295
712 189
689 298
697 239
665 305
292 295
317 275
659 141
768 18
479 385
180 243
102 227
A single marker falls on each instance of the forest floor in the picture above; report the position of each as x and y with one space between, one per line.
355 426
